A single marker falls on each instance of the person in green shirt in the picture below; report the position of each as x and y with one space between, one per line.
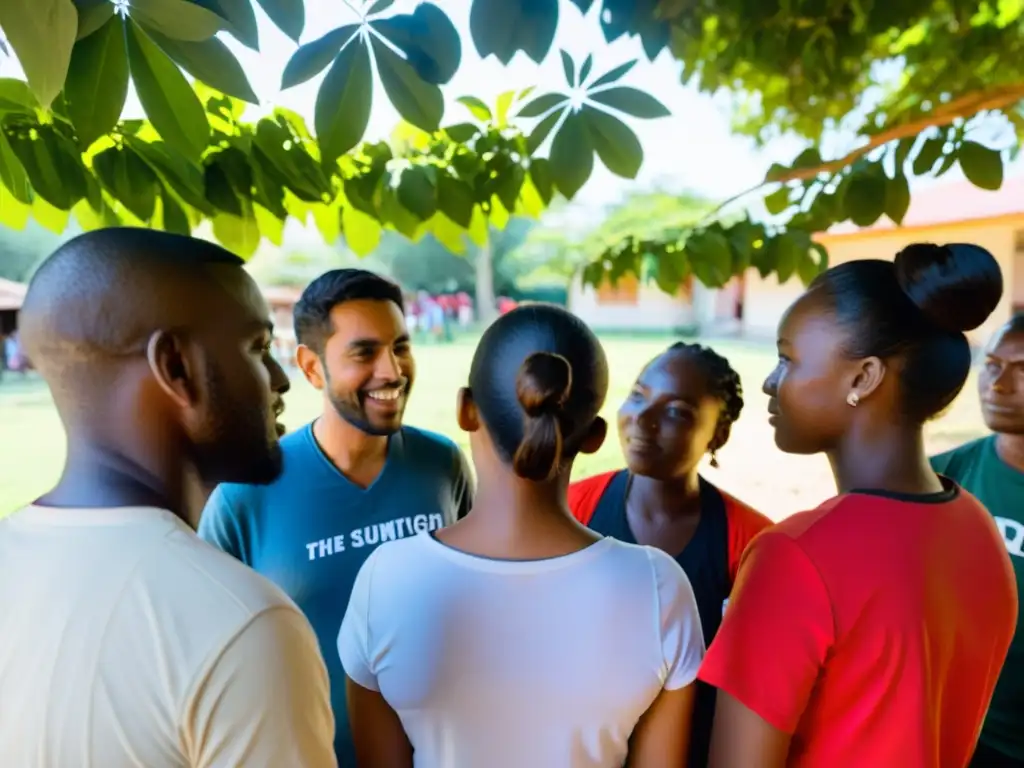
992 469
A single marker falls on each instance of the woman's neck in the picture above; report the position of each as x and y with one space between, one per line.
892 460
678 497
1011 450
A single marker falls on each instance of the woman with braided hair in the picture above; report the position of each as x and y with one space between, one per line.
682 407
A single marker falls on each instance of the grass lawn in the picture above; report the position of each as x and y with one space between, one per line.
32 441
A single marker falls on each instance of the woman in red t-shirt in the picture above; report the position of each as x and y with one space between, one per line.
869 631
682 406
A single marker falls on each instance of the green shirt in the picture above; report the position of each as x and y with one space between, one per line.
978 469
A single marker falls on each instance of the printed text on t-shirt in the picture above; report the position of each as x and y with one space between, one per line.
1013 535
372 535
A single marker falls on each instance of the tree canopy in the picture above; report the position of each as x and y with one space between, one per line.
908 82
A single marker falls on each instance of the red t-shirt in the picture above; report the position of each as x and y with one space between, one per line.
872 629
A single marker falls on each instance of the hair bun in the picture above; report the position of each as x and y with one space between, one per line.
956 286
543 384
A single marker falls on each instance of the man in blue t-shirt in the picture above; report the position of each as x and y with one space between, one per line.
355 477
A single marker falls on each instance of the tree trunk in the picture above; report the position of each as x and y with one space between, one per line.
486 307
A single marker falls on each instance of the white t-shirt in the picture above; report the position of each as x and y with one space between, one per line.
520 664
127 642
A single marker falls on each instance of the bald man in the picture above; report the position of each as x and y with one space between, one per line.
125 640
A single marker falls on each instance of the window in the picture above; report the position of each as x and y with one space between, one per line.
625 291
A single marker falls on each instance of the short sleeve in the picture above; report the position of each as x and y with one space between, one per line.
265 702
219 525
682 638
354 640
776 633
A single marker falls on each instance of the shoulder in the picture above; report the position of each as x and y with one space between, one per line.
417 439
743 518
955 462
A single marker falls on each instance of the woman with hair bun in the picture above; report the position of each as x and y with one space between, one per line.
518 638
869 631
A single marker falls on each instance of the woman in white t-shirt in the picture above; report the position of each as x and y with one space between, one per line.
518 638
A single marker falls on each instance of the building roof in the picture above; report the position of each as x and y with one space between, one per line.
12 294
948 203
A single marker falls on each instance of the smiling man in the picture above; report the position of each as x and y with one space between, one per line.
355 477
992 469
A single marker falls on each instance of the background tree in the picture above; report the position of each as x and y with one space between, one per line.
906 84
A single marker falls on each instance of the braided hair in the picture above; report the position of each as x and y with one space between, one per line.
723 381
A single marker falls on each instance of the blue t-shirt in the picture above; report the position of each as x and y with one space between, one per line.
312 528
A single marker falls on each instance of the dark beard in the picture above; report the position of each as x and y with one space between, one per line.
238 448
356 416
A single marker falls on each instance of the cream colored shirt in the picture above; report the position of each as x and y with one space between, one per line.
126 641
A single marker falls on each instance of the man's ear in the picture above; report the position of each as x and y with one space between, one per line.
465 411
173 370
595 436
311 365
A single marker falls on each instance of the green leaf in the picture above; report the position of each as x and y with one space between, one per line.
588 64
787 251
502 27
128 179
809 158
380 6
929 153
477 107
362 232
612 75
170 103
417 191
428 39
97 83
455 199
288 15
775 172
12 174
219 191
631 101
540 175
310 59
569 67
809 267
864 200
710 258
328 221
14 214
541 131
42 33
416 100
177 172
344 101
17 97
172 216
902 152
777 201
572 156
239 20
504 103
462 132
897 198
288 161
982 166
50 217
542 104
53 165
211 62
92 16
509 185
616 144
239 234
177 19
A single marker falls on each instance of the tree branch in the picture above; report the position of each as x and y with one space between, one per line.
966 106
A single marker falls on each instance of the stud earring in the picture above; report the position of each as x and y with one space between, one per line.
852 399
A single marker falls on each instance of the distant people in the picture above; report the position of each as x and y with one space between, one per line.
517 638
14 358
506 305
464 308
354 478
992 469
871 630
124 639
681 408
